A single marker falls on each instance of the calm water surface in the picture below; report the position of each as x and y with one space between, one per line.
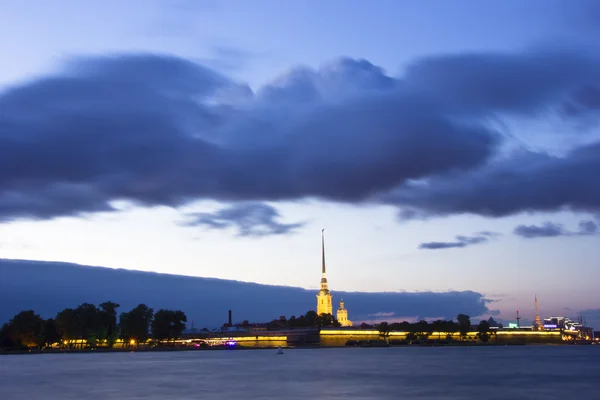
564 372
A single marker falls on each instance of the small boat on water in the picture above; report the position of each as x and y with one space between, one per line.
279 350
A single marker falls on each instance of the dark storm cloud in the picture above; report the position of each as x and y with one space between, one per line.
49 287
250 219
158 130
524 182
520 83
460 242
551 229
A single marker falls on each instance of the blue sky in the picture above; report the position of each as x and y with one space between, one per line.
504 93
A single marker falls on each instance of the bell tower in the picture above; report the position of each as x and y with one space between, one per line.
324 305
342 315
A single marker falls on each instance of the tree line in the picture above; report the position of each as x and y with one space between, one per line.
94 325
416 331
99 325
423 330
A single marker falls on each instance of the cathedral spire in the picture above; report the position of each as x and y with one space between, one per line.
323 250
324 296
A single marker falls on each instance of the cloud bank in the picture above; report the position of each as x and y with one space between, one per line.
161 130
49 287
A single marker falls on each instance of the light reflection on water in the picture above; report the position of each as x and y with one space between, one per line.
492 373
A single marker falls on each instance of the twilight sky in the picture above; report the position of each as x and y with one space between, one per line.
442 145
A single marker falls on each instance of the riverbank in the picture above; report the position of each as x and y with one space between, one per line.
237 348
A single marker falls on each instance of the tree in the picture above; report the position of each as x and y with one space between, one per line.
325 320
168 324
383 327
484 331
50 332
438 326
384 331
88 323
464 325
108 321
6 341
67 324
423 329
411 336
26 328
135 324
311 318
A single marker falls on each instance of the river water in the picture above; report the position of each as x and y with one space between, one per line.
520 372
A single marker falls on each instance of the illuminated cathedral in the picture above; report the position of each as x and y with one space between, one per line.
324 302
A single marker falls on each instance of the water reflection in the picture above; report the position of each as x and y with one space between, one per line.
385 373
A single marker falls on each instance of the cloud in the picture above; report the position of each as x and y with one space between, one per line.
460 242
591 317
49 287
161 130
551 229
250 219
382 314
525 181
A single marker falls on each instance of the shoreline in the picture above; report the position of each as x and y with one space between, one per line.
181 349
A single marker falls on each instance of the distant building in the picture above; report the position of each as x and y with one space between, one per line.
493 324
342 315
562 323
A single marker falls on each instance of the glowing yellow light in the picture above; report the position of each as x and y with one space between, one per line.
132 342
348 332
529 333
66 342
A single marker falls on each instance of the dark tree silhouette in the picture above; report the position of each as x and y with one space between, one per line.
67 324
168 324
464 325
108 321
135 324
50 332
325 320
6 341
88 323
26 329
484 331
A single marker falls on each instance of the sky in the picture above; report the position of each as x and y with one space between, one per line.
443 146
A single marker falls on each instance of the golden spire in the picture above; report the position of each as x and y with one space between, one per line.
323 250
538 320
